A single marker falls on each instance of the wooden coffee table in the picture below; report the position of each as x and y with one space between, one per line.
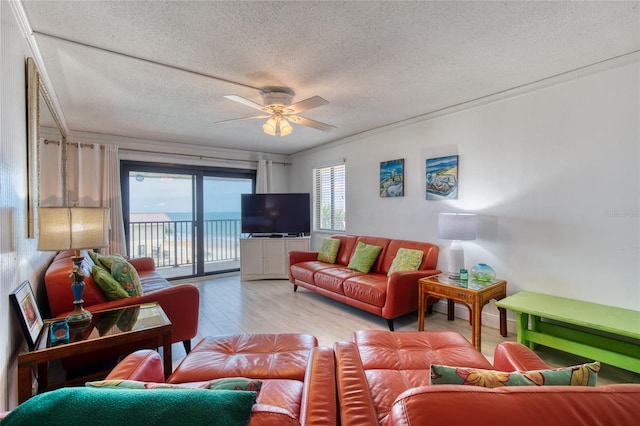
473 294
131 328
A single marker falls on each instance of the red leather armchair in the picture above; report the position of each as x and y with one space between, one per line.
180 302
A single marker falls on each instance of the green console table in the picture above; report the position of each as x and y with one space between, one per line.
599 332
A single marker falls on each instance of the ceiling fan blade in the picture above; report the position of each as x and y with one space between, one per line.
242 118
245 101
311 123
307 104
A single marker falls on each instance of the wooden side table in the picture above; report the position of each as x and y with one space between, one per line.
137 327
473 294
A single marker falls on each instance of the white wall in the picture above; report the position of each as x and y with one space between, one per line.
554 174
19 259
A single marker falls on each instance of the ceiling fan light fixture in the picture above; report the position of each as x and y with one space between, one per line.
285 127
270 126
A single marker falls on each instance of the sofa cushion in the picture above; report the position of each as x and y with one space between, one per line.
305 271
111 288
329 250
364 257
127 276
396 361
332 279
579 375
370 288
406 260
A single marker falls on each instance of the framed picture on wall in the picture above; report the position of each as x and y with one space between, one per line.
442 178
26 308
392 178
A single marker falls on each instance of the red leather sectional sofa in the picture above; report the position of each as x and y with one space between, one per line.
383 378
389 297
180 302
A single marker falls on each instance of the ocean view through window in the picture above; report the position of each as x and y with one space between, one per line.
189 223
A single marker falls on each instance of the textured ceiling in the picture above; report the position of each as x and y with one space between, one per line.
159 70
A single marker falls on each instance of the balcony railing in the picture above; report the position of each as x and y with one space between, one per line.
171 243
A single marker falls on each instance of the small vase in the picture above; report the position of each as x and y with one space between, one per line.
483 272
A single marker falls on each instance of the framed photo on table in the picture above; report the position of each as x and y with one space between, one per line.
26 308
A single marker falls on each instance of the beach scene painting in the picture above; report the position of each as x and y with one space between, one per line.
442 178
392 178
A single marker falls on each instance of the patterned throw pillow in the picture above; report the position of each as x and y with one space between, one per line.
579 375
107 261
127 276
110 287
227 383
329 250
364 257
406 260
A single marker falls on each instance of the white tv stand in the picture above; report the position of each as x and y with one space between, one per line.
264 258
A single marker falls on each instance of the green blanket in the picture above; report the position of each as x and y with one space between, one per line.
113 407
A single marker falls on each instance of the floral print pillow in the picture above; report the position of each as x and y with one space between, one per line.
579 375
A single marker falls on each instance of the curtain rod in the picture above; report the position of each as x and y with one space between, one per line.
76 144
201 157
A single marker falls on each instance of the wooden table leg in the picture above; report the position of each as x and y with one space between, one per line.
166 351
421 303
476 311
24 383
503 322
451 310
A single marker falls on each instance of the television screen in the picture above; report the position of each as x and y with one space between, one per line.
276 213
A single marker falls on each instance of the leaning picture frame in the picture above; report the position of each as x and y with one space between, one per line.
26 308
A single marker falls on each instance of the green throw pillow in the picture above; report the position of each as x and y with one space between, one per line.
226 383
579 375
107 261
127 276
329 250
94 256
406 260
109 286
364 257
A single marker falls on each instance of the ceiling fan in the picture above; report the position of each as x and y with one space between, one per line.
278 108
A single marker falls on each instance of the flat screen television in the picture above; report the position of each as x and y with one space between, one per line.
275 214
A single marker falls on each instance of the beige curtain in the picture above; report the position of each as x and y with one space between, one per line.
51 163
86 175
112 198
263 177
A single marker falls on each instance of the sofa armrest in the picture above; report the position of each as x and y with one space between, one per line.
180 303
143 263
143 365
356 404
513 356
302 256
402 292
319 404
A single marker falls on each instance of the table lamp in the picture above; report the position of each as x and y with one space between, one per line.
457 227
74 228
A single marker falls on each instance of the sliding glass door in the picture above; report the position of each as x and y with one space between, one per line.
186 218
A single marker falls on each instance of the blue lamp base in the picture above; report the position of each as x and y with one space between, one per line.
79 316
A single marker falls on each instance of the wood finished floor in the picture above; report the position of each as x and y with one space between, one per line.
231 306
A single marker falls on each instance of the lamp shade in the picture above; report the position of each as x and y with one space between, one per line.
457 226
73 228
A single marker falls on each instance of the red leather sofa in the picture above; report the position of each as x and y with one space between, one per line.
389 297
298 377
384 378
180 302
